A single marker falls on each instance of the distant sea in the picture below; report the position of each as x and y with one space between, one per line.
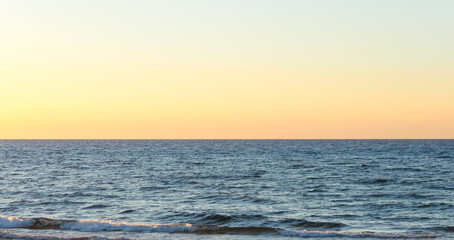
226 189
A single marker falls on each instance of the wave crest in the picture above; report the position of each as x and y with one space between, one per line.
18 236
90 225
108 226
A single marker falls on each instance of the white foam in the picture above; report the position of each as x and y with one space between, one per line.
97 226
15 222
9 235
92 226
108 226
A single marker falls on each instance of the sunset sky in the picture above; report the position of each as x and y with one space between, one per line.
178 69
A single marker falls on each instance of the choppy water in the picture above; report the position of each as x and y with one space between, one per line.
227 189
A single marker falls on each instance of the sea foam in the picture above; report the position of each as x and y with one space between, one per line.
21 236
108 226
96 226
90 225
15 222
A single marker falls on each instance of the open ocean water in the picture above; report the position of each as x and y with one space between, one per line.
226 189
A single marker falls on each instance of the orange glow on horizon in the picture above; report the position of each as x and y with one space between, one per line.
273 72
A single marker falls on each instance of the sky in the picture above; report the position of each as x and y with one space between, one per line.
236 69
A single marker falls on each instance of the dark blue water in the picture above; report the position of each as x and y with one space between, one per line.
227 189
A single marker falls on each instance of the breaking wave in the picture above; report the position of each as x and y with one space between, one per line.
107 226
9 235
90 225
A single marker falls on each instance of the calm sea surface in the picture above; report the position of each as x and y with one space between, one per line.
226 189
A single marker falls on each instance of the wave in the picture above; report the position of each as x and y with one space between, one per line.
108 226
310 224
322 234
18 236
15 222
449 229
96 206
219 219
90 225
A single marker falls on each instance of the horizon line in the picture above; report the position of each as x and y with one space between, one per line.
202 139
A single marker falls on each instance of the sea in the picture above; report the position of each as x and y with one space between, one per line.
226 189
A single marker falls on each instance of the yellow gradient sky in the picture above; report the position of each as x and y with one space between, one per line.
226 69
